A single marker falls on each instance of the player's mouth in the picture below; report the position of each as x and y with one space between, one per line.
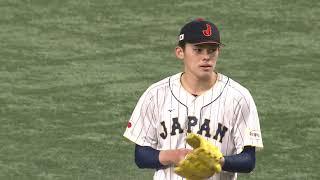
206 66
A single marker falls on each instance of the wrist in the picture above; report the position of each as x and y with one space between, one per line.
165 157
221 161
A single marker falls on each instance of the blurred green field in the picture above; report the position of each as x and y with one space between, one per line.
72 71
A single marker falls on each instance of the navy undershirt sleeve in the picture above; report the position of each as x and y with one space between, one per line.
147 157
243 162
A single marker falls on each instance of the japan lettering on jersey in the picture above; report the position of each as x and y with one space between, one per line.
226 115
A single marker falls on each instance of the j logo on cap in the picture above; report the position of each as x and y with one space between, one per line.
207 32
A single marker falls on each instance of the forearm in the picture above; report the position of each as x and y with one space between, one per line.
147 157
243 162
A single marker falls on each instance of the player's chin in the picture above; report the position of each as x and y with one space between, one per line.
205 74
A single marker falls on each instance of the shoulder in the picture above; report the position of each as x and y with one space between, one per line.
163 85
234 88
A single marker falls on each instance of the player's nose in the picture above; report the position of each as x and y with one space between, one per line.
206 54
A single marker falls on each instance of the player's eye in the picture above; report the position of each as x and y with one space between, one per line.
211 51
197 50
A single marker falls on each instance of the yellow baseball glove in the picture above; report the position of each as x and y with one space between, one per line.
202 162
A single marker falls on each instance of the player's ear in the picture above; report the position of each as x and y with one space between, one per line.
218 51
179 52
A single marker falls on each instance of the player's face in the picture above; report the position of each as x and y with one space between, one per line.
199 60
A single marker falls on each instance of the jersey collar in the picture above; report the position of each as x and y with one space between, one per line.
207 97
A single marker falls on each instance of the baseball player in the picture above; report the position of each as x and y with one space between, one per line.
200 101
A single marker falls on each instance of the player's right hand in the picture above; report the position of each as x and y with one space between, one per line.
173 157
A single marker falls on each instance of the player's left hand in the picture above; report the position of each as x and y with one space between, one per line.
202 162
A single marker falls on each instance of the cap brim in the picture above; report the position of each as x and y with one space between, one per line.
209 42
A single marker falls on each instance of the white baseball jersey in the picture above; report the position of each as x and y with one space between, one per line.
225 114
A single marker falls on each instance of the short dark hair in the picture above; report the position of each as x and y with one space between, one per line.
182 44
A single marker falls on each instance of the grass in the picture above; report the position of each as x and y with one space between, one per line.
72 71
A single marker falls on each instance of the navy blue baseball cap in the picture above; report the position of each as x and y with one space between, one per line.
199 31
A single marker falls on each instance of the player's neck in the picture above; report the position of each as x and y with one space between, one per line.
197 86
